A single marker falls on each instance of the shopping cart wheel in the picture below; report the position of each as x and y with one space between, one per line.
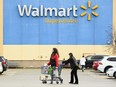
57 82
44 82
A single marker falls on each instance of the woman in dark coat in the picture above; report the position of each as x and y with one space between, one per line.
74 67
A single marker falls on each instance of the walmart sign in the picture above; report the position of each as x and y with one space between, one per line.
52 22
41 11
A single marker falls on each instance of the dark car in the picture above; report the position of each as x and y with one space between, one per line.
91 58
4 64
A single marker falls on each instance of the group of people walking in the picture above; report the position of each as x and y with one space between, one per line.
54 62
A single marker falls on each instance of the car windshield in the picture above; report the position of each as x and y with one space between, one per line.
88 57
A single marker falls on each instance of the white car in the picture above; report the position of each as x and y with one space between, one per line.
112 72
1 67
106 63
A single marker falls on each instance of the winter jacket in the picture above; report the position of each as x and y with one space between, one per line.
72 61
54 61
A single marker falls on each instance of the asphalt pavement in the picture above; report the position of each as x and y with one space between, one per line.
31 78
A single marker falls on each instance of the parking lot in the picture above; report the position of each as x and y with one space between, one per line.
30 78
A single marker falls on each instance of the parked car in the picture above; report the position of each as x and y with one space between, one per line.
4 64
112 72
106 63
91 58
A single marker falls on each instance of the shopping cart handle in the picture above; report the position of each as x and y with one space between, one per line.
63 64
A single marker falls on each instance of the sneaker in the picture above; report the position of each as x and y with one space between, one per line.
76 83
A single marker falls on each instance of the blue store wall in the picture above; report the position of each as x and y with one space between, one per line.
34 31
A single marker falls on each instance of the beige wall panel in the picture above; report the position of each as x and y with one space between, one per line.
42 52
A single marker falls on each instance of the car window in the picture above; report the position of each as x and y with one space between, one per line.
97 58
112 59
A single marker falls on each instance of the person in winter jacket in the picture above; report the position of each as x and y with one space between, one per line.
74 67
54 62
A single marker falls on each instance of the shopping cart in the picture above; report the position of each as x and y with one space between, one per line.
49 72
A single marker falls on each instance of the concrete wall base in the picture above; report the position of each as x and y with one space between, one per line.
26 63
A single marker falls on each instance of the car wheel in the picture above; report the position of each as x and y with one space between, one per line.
106 69
115 75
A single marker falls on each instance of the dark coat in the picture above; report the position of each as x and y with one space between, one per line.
72 61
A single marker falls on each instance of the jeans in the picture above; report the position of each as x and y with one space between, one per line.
54 74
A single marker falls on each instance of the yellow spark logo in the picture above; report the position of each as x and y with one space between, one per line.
89 6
